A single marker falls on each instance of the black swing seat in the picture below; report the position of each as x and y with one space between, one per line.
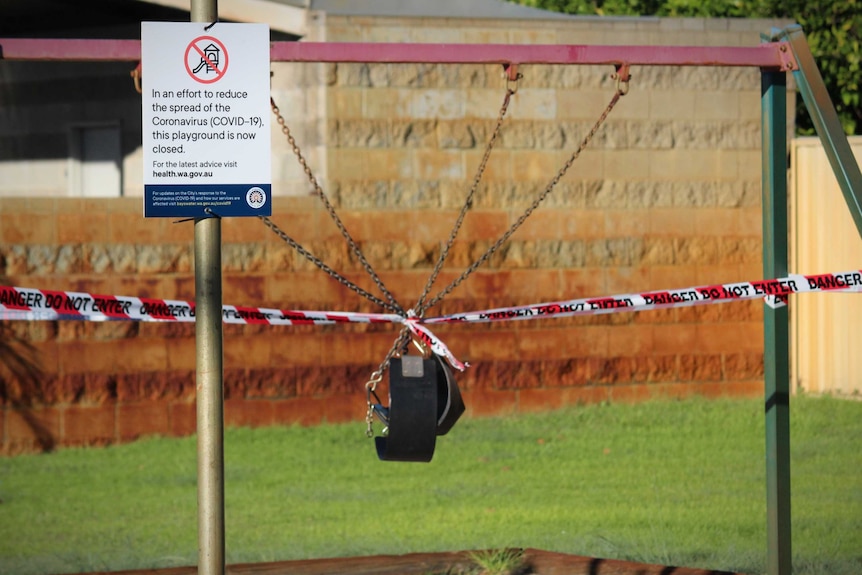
424 402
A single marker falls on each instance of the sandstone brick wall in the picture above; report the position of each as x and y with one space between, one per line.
666 196
117 381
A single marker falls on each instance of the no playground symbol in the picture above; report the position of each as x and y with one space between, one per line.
206 59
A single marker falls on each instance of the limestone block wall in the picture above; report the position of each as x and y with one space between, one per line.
667 195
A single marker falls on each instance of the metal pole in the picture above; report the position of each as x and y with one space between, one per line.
826 121
210 399
776 357
209 373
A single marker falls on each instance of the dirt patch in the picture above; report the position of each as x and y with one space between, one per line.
536 562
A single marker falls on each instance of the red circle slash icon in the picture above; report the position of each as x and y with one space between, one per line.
206 59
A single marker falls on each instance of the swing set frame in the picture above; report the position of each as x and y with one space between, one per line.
781 52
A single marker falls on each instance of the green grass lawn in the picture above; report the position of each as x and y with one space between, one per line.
670 482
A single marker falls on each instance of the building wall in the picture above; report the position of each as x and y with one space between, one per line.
667 195
42 104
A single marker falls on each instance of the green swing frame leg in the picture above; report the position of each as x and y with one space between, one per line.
775 264
776 324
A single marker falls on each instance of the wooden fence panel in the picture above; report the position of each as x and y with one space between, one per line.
827 328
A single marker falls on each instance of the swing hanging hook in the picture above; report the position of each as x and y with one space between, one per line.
136 75
421 346
510 71
622 77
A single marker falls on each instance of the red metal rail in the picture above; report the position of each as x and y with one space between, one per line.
763 56
773 55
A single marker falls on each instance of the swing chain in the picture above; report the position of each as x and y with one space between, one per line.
370 391
401 340
324 267
622 86
621 90
377 377
511 90
393 304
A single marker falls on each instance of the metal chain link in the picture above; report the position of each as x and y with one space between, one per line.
511 89
394 305
622 89
377 377
323 266
370 391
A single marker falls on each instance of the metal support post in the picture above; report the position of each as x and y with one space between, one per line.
825 120
209 373
775 323
210 399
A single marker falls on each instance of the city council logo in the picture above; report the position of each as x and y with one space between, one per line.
255 198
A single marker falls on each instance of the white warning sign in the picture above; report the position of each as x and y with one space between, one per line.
206 107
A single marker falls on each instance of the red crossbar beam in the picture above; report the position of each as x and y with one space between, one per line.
773 55
768 55
71 50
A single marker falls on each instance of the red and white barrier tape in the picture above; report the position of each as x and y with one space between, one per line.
34 304
774 292
18 303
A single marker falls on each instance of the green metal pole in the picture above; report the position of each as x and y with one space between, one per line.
209 373
776 323
826 121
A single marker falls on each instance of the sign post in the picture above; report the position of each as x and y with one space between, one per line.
207 156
